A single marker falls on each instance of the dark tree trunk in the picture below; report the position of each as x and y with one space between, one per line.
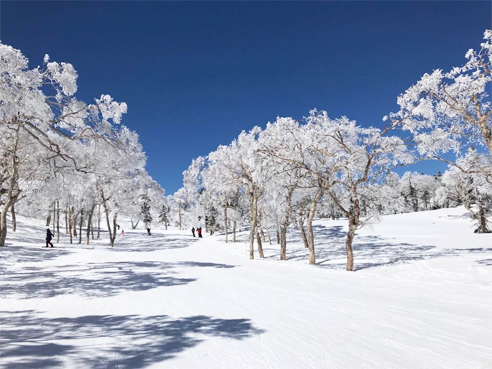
312 211
278 237
285 224
89 225
70 226
57 221
14 222
67 216
112 235
303 234
99 216
234 232
225 224
80 225
252 223
74 222
481 217
354 220
260 245
348 245
283 243
3 227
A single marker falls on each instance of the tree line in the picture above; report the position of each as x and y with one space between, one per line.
292 171
65 159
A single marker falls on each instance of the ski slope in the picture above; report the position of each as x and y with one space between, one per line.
421 297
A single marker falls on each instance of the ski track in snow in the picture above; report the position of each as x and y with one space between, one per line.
420 298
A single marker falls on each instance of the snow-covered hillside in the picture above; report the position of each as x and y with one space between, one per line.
420 297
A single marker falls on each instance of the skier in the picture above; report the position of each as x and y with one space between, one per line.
148 231
193 231
199 230
49 236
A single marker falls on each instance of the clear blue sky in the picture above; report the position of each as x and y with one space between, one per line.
194 74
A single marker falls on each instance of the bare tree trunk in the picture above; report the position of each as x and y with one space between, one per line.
92 224
3 226
14 222
348 245
165 225
278 237
48 219
252 223
67 212
111 238
99 221
262 235
304 237
70 225
269 238
115 216
74 222
80 225
354 218
234 232
179 218
285 224
89 225
312 211
11 196
260 245
283 243
483 219
225 224
57 221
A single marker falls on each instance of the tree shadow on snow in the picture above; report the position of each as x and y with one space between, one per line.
369 251
22 254
89 280
128 341
141 242
94 280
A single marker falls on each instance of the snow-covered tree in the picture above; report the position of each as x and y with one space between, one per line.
350 162
41 126
468 183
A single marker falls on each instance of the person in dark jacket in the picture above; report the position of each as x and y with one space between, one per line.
148 231
193 231
49 236
199 230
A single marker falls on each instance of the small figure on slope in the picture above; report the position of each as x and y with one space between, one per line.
193 231
199 230
148 231
49 236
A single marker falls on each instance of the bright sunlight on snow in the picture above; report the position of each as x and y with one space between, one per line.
420 297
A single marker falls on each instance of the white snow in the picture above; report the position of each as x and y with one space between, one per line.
421 297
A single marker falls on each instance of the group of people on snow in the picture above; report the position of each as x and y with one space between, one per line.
198 230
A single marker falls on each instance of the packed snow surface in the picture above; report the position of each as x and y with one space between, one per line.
421 297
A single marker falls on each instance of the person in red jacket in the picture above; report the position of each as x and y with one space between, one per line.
199 230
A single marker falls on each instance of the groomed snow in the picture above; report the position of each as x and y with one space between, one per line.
421 298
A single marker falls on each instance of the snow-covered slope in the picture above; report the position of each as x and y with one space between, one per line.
421 297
